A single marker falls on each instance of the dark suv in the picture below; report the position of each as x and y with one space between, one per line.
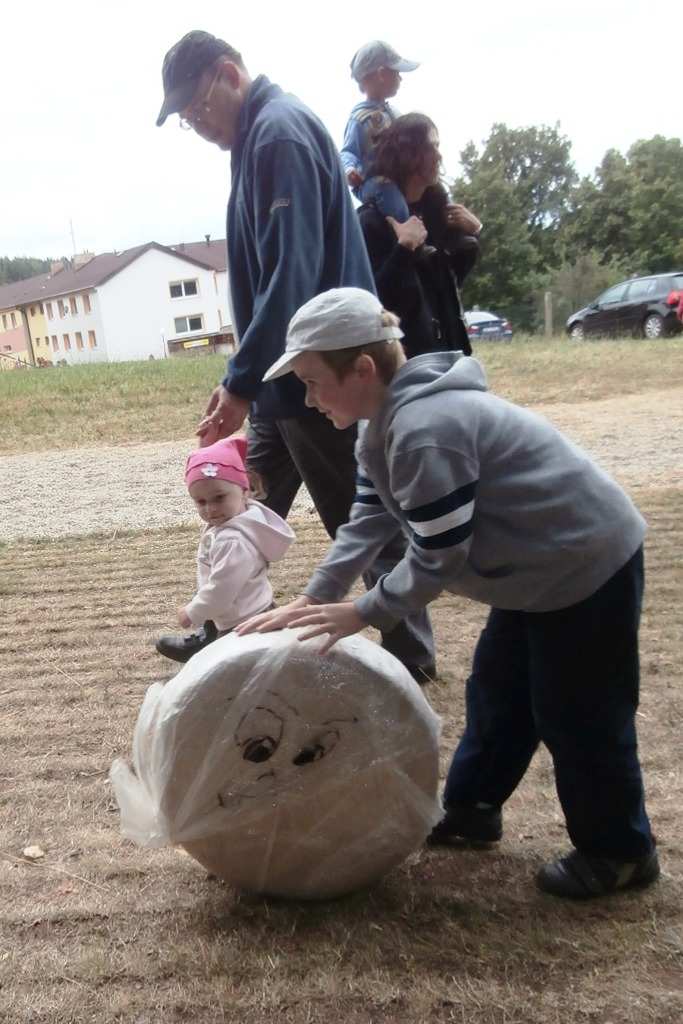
635 307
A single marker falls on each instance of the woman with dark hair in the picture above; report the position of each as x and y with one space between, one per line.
420 264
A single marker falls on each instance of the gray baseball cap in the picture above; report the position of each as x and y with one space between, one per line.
376 55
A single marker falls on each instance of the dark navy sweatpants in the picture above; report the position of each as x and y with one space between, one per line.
568 679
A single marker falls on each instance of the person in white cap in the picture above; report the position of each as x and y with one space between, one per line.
499 507
377 68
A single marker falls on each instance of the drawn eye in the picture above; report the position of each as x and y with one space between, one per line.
260 748
317 748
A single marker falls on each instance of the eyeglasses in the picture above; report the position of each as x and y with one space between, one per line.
198 109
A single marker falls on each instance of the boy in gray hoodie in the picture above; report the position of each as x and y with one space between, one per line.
497 506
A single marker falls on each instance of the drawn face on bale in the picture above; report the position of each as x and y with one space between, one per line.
286 772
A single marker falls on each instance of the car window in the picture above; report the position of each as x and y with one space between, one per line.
614 294
676 283
479 316
639 291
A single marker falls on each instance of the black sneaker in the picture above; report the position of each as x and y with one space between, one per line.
471 823
423 674
181 648
580 877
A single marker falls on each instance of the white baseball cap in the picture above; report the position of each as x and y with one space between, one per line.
376 55
340 318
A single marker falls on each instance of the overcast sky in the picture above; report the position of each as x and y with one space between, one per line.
81 88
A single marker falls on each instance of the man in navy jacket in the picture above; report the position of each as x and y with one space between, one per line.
292 233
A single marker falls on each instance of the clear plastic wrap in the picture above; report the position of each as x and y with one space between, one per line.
284 771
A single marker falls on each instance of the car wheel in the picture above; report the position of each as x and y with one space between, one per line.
653 326
576 333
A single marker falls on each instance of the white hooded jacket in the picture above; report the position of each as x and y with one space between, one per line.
232 566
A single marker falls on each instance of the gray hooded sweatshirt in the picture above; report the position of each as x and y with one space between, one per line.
495 503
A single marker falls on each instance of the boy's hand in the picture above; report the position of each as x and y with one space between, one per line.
276 618
354 179
411 233
336 620
183 618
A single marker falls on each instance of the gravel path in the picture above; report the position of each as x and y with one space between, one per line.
637 438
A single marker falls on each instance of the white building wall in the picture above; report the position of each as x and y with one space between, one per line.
139 313
70 323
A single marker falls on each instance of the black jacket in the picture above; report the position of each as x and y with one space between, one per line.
421 287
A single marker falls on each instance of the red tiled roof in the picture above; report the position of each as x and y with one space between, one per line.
100 268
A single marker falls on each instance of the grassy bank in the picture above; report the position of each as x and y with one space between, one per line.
77 406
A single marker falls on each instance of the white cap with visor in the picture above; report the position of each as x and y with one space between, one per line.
337 319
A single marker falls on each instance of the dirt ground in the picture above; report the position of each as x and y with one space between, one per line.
98 931
637 438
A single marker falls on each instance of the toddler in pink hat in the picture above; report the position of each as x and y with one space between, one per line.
239 540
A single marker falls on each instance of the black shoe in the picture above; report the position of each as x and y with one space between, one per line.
580 877
422 674
181 648
476 824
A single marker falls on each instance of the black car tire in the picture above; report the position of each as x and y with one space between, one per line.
653 327
576 332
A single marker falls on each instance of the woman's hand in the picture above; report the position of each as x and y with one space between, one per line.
276 618
458 216
354 179
411 233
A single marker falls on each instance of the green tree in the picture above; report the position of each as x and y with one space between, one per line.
575 283
17 268
504 278
632 208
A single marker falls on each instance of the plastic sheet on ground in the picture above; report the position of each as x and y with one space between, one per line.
283 771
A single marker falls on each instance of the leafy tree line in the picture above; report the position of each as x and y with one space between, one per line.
547 229
19 267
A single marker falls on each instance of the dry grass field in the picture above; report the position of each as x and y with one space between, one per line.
99 931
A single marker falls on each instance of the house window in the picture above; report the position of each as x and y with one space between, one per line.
40 307
67 342
92 340
72 304
4 321
33 310
37 342
86 303
79 341
62 308
13 319
180 288
47 342
8 348
48 307
188 323
55 343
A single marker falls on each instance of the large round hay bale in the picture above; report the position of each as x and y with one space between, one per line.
284 771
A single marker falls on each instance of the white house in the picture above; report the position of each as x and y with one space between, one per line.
152 300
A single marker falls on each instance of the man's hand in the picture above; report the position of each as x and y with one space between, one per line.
411 233
183 618
224 414
354 179
458 216
276 618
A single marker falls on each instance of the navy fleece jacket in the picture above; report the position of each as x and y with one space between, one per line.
292 233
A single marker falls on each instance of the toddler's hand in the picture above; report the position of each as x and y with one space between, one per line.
354 179
183 618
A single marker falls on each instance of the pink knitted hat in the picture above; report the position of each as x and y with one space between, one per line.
223 460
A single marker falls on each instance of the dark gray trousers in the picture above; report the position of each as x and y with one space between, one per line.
310 450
